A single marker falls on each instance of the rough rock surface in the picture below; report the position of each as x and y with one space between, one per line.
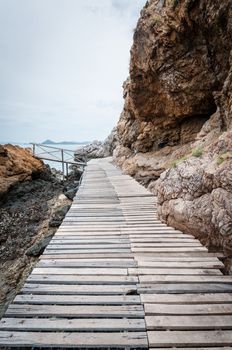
16 165
175 129
30 212
98 149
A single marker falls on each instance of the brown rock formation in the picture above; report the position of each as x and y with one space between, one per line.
177 114
16 165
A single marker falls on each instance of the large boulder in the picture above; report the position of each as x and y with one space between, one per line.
16 165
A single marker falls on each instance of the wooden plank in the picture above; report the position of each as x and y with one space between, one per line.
156 236
168 249
86 255
150 272
185 278
95 239
177 258
80 271
87 246
79 237
184 288
190 338
181 264
61 289
26 310
86 251
144 241
198 348
192 254
81 279
109 263
77 299
74 339
187 309
170 244
82 324
88 232
207 298
161 322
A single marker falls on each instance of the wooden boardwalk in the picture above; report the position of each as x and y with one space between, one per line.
115 277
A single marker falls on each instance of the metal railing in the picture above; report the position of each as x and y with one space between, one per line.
61 155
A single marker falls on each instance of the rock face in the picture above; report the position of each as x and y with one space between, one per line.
16 165
175 130
98 149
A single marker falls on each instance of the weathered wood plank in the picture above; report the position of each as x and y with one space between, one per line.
184 288
77 299
181 264
67 246
26 310
91 240
207 298
169 244
109 263
39 288
168 249
74 339
86 251
185 279
187 309
161 322
151 274
80 271
86 255
190 338
81 324
81 279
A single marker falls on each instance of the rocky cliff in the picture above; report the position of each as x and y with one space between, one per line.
175 130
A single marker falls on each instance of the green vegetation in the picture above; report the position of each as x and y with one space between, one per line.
220 160
197 152
174 163
222 157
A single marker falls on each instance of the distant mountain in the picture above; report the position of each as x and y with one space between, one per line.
50 142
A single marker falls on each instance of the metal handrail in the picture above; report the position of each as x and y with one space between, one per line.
61 159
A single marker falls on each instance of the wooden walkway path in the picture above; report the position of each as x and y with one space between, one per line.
115 277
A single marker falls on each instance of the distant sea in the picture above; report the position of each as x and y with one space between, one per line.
53 164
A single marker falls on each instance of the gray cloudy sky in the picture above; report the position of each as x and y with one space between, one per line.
62 65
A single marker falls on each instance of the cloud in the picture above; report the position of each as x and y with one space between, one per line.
62 66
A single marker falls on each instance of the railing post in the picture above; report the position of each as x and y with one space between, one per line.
62 158
67 169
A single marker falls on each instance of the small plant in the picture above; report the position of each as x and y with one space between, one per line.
197 152
182 159
174 163
220 160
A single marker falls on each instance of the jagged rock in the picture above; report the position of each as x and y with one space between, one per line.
17 165
58 216
98 149
70 193
37 248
